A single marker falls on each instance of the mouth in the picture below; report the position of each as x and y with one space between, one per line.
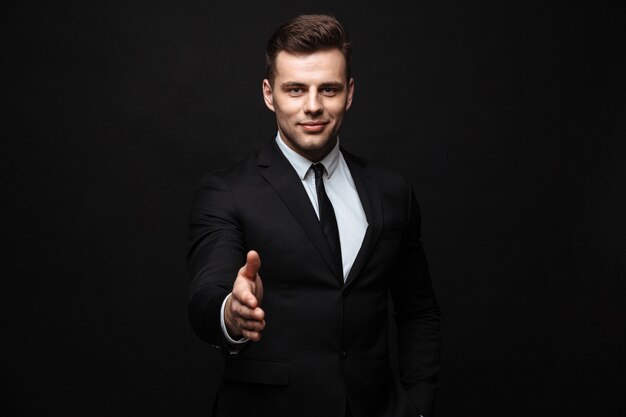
314 126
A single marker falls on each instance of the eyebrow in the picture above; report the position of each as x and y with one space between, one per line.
332 84
292 84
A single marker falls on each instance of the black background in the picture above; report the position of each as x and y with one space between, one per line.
508 119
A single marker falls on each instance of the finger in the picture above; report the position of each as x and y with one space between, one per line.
252 335
252 266
258 314
241 311
252 325
244 312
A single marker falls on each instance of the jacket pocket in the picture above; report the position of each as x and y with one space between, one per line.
255 371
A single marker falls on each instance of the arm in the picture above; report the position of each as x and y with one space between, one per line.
417 317
217 250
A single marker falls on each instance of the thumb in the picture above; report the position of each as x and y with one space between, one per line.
252 266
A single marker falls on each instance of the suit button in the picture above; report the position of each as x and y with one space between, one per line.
344 354
346 292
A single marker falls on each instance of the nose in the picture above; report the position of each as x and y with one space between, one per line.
313 104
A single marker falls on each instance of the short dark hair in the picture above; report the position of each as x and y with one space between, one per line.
307 34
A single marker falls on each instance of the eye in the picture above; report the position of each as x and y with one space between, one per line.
329 91
295 91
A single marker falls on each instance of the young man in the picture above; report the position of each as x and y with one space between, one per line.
294 252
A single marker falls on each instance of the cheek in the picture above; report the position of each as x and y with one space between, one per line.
288 111
337 104
337 109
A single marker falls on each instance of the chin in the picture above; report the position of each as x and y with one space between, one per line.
315 144
319 141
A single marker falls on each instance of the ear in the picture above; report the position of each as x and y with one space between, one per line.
350 93
268 96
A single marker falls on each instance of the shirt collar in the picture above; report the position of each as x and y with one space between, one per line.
302 164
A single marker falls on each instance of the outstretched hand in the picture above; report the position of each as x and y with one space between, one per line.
243 315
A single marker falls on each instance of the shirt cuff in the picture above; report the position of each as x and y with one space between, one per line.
224 330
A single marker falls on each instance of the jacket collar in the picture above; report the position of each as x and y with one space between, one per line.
281 175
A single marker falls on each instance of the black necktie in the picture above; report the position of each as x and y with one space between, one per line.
327 214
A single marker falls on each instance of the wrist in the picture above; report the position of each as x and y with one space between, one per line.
231 332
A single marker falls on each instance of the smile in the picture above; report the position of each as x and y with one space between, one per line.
313 126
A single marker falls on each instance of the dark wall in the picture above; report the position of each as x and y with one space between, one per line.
509 120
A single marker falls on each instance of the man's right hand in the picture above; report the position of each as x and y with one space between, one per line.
243 315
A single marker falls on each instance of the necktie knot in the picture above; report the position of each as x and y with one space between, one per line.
318 169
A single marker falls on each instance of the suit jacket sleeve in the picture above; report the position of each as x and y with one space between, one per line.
417 316
216 252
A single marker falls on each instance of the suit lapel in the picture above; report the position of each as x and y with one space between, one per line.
368 189
279 173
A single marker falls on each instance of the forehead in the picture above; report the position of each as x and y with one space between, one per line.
325 65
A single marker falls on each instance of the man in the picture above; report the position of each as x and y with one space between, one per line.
295 249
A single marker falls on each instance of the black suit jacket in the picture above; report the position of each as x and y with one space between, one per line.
326 342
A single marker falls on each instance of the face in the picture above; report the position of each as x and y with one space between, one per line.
310 95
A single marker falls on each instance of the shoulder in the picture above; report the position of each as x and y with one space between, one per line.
390 181
232 174
217 189
395 190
